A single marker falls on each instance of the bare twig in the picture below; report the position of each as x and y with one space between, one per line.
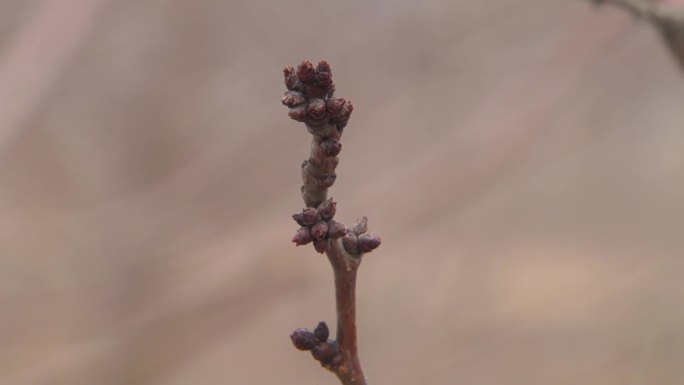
665 15
310 99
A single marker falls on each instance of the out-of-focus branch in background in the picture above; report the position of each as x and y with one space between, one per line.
667 16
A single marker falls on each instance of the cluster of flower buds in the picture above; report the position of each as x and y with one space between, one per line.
324 350
310 98
358 241
318 225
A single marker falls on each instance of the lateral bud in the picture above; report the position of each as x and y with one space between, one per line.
319 230
336 229
350 243
327 209
302 236
303 339
368 242
321 245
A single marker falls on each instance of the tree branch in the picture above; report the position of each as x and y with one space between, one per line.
310 99
666 16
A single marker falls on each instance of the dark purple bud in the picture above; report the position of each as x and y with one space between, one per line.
306 72
335 105
331 147
350 243
321 332
368 242
302 236
293 98
298 113
321 245
319 230
327 209
360 226
310 216
303 339
336 229
324 353
299 219
317 109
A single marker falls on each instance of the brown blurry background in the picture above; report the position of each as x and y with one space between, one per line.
522 161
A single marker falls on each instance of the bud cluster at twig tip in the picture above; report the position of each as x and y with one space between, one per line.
310 96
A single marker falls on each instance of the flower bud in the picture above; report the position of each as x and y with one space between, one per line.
350 243
360 226
319 230
321 332
324 353
331 147
327 209
336 229
310 216
317 109
303 339
306 72
299 219
321 245
302 236
290 77
323 74
293 98
335 106
298 113
368 242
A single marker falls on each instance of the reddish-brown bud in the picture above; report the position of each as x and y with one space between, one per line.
293 98
331 147
302 236
321 332
327 209
323 66
321 245
360 226
310 216
323 74
368 242
290 77
350 243
343 117
336 229
319 230
298 113
306 72
303 339
335 106
317 109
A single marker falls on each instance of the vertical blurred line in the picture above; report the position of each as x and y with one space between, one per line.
37 55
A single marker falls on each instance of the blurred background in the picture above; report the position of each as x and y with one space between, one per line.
522 162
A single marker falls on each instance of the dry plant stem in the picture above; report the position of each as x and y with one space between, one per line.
310 100
667 18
